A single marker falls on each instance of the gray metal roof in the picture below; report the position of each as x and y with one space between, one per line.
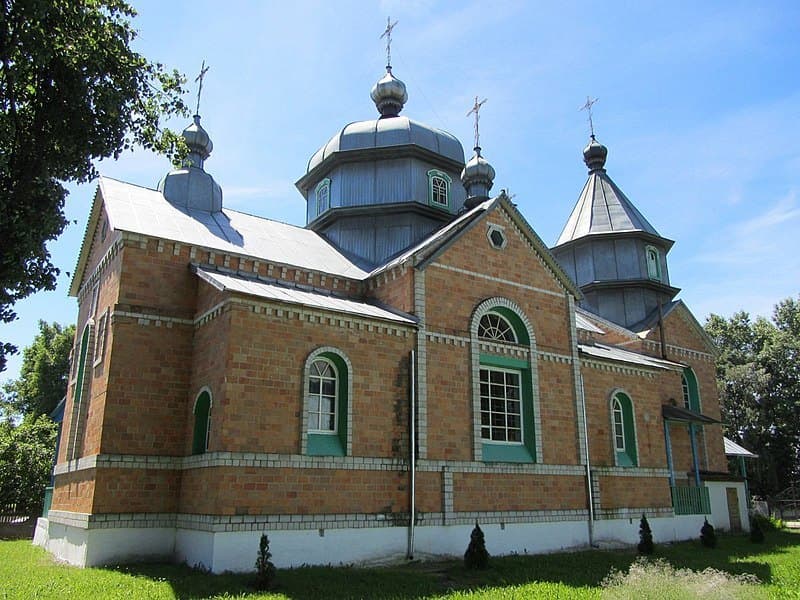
387 132
603 208
734 449
618 354
280 293
582 322
144 211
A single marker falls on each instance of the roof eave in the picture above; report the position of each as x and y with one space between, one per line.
86 243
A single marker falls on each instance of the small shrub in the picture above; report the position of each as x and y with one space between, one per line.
265 570
661 581
756 533
476 556
708 536
769 523
645 537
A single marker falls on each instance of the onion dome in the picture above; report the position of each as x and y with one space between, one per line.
389 94
198 141
594 155
477 177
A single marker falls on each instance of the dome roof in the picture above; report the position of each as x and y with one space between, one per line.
387 132
197 139
477 168
594 155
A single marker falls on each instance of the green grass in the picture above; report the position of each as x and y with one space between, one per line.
28 572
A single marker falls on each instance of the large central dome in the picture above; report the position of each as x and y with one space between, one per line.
379 186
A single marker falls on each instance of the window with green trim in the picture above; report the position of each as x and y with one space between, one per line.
653 257
439 188
691 392
623 431
202 423
322 195
327 389
505 390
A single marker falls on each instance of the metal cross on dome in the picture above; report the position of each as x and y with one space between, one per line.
388 35
203 70
476 109
588 108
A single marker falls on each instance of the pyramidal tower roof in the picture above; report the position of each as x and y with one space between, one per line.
602 207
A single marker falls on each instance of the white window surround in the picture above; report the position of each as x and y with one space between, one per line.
439 188
312 357
496 235
628 444
322 397
322 196
488 306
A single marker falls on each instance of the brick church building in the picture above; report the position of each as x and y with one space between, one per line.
413 360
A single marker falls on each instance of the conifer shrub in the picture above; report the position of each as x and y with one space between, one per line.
265 570
708 536
645 537
476 556
756 533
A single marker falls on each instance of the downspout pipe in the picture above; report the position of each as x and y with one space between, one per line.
412 443
589 485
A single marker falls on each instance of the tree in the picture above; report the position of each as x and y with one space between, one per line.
44 373
265 570
72 92
645 545
476 556
758 375
26 460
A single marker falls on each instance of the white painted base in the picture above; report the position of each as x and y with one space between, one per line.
720 518
236 551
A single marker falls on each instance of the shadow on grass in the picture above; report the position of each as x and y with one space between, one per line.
734 554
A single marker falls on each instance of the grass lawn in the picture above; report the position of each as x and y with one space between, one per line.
29 572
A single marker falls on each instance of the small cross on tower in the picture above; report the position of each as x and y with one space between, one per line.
388 35
476 109
588 108
203 70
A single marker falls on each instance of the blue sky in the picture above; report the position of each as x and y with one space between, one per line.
699 105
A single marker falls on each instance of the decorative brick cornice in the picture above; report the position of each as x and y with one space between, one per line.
618 368
679 350
103 263
495 279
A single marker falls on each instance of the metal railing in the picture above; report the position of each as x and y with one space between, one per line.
688 500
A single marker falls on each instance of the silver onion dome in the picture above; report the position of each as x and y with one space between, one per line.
198 141
389 94
478 178
594 155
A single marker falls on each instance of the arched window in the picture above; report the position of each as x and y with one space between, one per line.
623 430
653 262
505 400
439 188
691 393
327 403
202 423
322 195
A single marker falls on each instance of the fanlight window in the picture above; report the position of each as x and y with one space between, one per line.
322 389
497 328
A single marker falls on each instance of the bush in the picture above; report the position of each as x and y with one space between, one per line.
645 537
265 570
476 556
660 581
708 536
756 533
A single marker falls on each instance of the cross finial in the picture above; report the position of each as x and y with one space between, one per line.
203 70
388 35
588 108
476 109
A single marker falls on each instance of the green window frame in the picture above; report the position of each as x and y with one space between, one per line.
691 390
505 395
327 393
439 188
322 196
653 259
202 422
623 430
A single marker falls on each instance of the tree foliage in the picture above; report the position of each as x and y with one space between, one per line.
26 461
72 91
758 375
43 377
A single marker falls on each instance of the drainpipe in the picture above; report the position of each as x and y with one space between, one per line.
412 363
695 462
661 329
588 464
668 444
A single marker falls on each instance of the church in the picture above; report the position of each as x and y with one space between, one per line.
414 360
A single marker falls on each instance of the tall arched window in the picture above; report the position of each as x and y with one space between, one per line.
202 423
322 195
691 392
439 188
623 430
505 384
327 403
653 257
